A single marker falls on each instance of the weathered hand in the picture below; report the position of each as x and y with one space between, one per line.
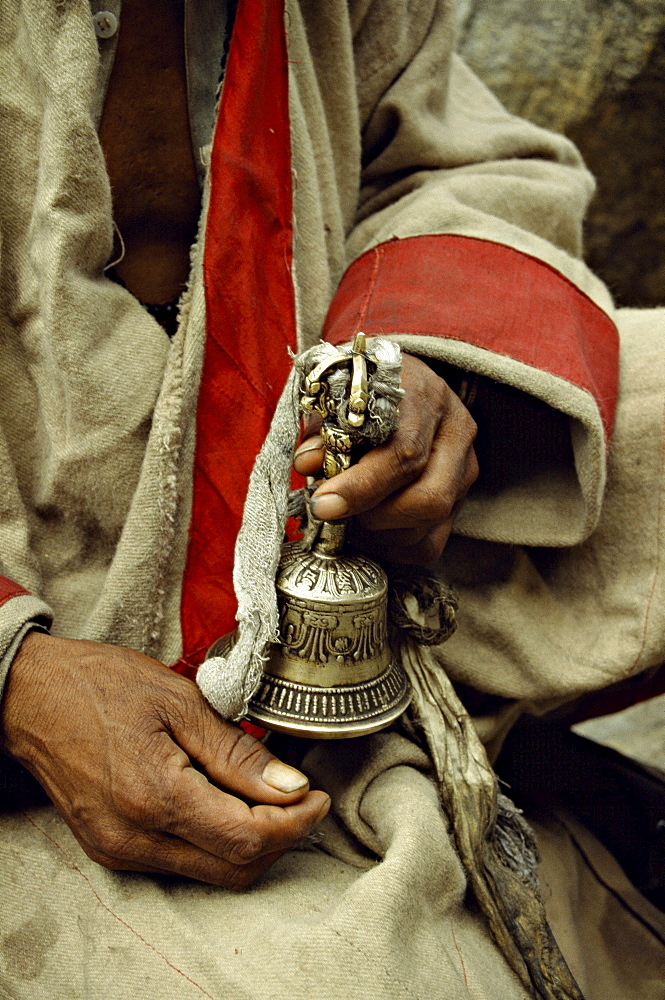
408 491
146 774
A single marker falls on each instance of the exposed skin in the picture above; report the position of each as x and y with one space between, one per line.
145 136
112 736
407 492
146 774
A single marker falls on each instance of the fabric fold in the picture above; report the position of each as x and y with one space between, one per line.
250 309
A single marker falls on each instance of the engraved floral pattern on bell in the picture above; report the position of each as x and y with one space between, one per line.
313 639
333 618
322 637
314 576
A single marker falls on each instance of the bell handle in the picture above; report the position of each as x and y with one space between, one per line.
338 443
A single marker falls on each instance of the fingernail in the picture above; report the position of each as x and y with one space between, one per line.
329 506
282 777
311 444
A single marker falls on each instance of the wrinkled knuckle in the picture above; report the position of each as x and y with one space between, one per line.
470 427
137 807
410 455
82 814
100 857
242 751
245 851
472 472
107 846
243 845
143 807
115 864
115 844
440 394
467 426
183 707
444 504
430 505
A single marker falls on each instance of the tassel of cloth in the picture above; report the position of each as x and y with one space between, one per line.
228 682
494 842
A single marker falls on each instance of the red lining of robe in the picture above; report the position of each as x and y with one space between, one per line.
474 290
250 309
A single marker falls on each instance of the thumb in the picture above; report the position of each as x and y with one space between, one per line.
235 760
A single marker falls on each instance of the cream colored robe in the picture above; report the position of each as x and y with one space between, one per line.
96 446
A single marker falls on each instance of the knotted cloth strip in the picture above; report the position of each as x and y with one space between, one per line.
494 842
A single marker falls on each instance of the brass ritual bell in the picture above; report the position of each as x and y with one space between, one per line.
333 676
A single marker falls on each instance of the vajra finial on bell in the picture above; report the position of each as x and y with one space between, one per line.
332 675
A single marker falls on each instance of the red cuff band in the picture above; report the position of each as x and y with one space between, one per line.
9 589
485 294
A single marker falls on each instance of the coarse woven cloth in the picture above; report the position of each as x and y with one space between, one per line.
379 907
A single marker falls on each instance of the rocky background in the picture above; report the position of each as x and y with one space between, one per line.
595 70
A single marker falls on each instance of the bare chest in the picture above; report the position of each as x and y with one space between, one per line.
146 140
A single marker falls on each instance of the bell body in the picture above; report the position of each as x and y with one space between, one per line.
333 676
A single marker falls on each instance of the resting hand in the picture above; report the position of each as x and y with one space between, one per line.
407 492
112 736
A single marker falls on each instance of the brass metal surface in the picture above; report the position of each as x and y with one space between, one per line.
317 398
358 396
332 619
332 675
331 713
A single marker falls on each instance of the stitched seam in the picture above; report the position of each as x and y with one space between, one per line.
371 960
457 948
238 368
364 309
113 914
659 521
188 663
